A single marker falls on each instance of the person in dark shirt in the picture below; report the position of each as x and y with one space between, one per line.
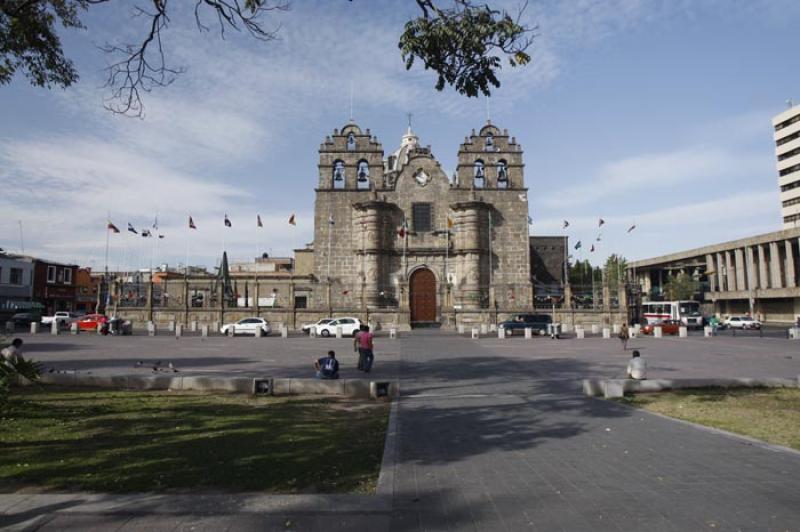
327 367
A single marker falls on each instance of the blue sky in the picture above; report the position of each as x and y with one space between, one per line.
646 112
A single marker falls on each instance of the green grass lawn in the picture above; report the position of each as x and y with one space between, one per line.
115 441
769 414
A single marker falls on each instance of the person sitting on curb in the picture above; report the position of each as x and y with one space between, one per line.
637 367
327 367
13 353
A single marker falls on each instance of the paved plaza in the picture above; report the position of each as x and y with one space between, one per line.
491 435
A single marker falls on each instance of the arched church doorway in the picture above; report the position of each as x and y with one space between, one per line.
423 296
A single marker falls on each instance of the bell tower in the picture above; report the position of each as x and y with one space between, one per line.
350 160
490 160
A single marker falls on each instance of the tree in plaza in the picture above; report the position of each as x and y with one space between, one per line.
681 286
464 44
615 268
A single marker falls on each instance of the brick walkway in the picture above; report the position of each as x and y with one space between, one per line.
495 436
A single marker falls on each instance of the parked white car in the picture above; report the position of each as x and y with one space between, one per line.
350 327
63 318
742 322
247 326
320 323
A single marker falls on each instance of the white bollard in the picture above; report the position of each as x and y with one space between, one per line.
54 328
259 332
580 333
615 328
595 328
707 331
232 331
566 328
171 326
338 331
312 332
178 330
484 328
284 331
34 327
528 333
606 332
683 332
492 327
74 329
794 333
475 333
501 333
193 326
392 333
657 332
151 328
204 331
461 328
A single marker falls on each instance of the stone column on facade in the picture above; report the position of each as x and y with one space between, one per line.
711 273
149 305
775 266
750 264
730 273
763 278
720 272
789 264
740 279
467 223
371 224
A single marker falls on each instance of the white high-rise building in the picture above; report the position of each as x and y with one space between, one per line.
787 149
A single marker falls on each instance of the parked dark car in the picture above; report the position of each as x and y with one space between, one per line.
24 319
517 325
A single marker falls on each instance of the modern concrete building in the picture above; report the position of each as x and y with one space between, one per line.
758 275
787 149
16 281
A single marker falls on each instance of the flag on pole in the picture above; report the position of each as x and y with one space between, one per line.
146 233
601 222
530 220
258 220
631 228
227 221
112 227
191 223
578 245
292 220
330 220
566 224
132 229
403 229
160 236
592 250
155 224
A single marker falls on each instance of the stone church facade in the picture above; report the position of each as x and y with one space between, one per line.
395 236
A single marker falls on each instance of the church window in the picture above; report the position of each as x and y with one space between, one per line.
422 215
362 183
479 178
338 174
502 174
351 142
489 142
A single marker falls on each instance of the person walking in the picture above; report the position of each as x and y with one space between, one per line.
624 334
357 348
365 347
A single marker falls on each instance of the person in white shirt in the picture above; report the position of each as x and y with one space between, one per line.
13 353
637 367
